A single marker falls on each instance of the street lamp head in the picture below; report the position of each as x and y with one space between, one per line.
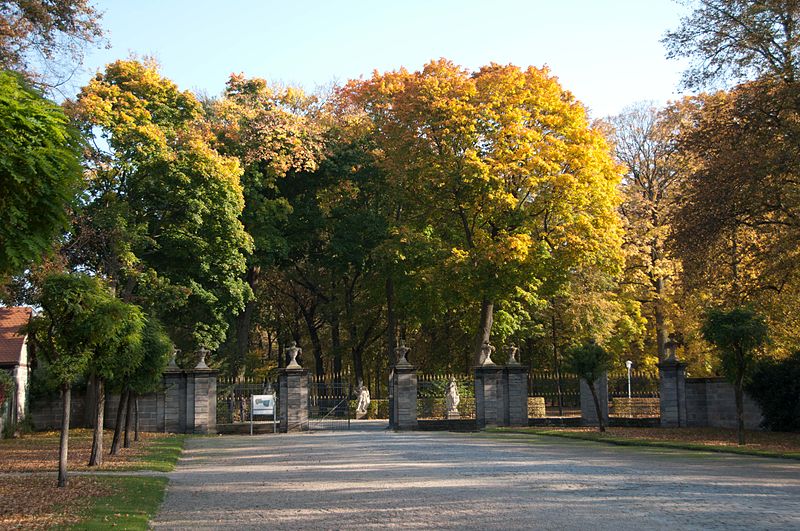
629 364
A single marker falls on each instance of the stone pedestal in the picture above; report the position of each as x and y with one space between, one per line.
672 393
201 401
516 395
588 410
293 400
403 397
489 396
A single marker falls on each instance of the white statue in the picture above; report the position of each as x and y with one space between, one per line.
363 400
452 396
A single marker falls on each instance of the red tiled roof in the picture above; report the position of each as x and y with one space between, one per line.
11 319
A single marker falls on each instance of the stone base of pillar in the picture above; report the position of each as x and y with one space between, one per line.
489 396
404 398
516 394
293 400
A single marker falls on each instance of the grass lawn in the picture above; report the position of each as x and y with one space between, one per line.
759 443
31 500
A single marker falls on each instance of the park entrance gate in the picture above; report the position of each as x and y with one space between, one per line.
329 402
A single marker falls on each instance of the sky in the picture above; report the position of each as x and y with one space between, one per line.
606 52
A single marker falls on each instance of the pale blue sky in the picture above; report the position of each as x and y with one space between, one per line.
607 52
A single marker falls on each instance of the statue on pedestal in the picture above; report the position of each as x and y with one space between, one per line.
363 400
453 399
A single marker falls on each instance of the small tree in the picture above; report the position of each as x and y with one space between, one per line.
589 361
737 334
115 358
65 335
156 350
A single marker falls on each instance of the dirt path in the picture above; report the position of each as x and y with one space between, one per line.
371 479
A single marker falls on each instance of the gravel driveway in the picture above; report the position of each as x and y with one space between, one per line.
376 478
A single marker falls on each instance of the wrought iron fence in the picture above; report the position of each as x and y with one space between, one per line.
561 392
432 395
234 397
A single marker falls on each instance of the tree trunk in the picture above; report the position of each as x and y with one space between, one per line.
136 418
661 330
336 344
739 392
601 425
66 399
128 415
556 360
309 315
242 326
123 403
391 322
484 328
96 457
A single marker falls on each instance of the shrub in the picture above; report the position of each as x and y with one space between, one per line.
775 385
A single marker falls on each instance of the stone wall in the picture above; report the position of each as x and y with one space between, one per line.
710 402
186 403
588 409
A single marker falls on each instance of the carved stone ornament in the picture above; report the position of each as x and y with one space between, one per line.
202 352
486 353
293 352
401 352
513 350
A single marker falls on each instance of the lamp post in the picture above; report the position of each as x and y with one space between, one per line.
629 364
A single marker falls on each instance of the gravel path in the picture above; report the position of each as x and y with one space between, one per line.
371 478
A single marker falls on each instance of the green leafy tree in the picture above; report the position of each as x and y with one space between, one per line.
39 173
589 361
161 219
114 359
69 329
156 351
737 334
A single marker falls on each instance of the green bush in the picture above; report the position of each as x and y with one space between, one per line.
775 385
6 387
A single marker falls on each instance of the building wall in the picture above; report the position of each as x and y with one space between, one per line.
711 402
22 375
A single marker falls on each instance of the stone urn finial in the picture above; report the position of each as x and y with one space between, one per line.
487 349
513 350
401 352
202 352
173 364
293 352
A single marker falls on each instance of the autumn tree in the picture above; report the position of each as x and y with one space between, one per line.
46 39
644 143
39 173
738 40
161 216
504 167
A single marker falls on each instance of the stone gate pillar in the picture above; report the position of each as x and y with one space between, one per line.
293 394
515 380
201 397
403 392
588 411
672 392
174 398
490 395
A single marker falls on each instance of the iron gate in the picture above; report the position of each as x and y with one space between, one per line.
329 398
